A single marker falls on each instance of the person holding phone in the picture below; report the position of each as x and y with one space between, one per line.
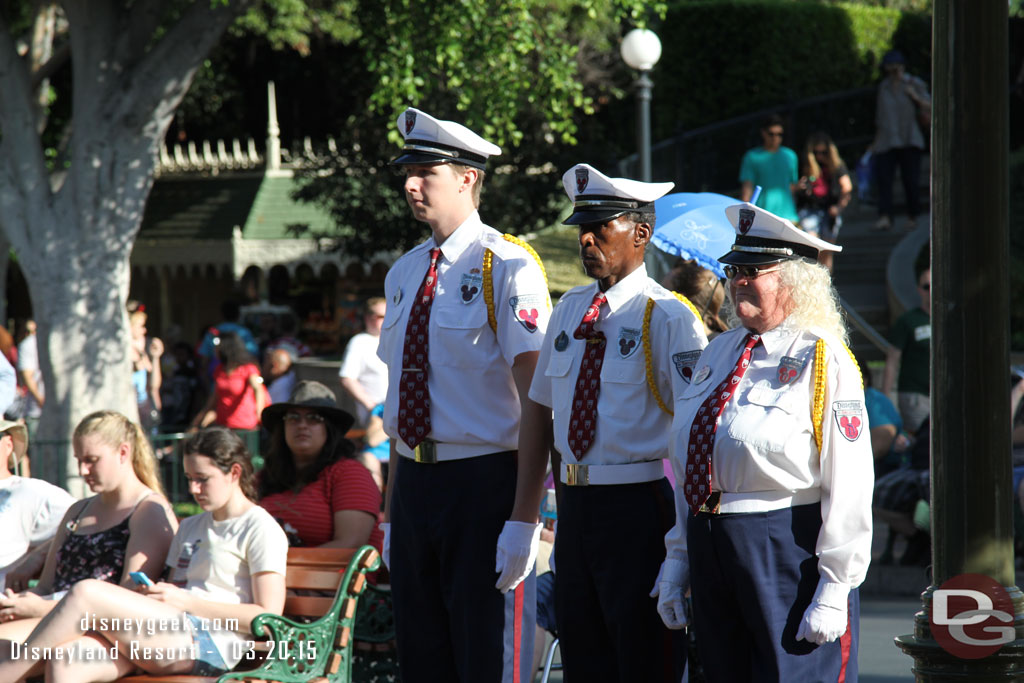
127 526
225 566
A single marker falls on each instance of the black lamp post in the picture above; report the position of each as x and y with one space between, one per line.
641 50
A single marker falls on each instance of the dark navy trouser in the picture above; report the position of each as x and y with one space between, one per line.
752 576
451 624
609 548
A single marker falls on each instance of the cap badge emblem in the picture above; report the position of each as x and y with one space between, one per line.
410 121
582 178
746 220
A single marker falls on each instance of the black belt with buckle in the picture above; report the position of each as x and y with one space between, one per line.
425 452
713 504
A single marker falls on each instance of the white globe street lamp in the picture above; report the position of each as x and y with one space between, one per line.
641 50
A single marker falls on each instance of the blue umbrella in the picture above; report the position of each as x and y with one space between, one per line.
693 225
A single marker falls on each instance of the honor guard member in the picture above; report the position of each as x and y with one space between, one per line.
466 315
774 476
617 352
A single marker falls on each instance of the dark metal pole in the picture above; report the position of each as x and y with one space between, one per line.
971 497
643 124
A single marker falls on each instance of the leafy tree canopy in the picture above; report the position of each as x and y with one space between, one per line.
526 74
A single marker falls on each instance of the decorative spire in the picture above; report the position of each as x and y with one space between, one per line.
273 131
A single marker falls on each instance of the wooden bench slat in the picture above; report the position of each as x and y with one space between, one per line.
321 557
312 579
306 605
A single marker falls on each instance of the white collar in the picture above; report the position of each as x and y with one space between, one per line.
625 289
460 240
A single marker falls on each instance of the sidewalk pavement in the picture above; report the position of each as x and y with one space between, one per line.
881 620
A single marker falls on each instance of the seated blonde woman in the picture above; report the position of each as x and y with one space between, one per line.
225 566
127 526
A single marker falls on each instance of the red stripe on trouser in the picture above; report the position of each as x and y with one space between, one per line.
844 646
517 632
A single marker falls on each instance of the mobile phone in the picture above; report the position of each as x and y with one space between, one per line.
141 579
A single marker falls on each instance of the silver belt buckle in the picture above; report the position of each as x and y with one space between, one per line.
577 474
426 452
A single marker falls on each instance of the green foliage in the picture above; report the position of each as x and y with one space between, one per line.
289 24
510 70
185 509
484 62
755 49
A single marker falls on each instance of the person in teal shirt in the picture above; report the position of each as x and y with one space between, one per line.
774 168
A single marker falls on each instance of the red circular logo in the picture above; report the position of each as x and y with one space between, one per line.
971 616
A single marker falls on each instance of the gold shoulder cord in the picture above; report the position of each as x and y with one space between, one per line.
488 283
820 377
645 339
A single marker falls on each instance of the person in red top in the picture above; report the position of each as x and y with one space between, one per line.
238 397
311 481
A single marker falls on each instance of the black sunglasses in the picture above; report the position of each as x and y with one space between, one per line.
748 272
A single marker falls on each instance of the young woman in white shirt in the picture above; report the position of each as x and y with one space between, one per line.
225 566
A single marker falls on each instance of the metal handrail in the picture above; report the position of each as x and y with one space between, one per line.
862 326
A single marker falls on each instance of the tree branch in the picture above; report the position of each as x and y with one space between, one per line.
24 180
161 77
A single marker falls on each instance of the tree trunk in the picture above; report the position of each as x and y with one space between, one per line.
73 228
83 352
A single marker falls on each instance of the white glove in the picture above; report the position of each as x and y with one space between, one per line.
385 551
517 551
669 587
825 618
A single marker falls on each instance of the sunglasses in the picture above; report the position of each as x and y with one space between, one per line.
747 272
308 418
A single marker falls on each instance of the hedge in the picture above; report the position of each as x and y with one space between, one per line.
771 52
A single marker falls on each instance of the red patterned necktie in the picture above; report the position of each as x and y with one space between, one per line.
704 428
583 422
413 396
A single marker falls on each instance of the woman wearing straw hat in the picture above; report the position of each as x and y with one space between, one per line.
311 481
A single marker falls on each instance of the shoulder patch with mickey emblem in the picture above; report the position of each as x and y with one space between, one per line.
684 363
526 310
849 417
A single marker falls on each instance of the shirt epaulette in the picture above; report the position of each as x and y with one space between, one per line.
838 350
671 303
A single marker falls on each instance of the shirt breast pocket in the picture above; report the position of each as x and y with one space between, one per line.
767 418
563 380
622 381
392 338
462 337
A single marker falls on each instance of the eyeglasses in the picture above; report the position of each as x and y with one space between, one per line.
820 152
747 272
308 418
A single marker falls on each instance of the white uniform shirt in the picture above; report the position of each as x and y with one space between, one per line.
473 399
362 365
765 441
630 425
